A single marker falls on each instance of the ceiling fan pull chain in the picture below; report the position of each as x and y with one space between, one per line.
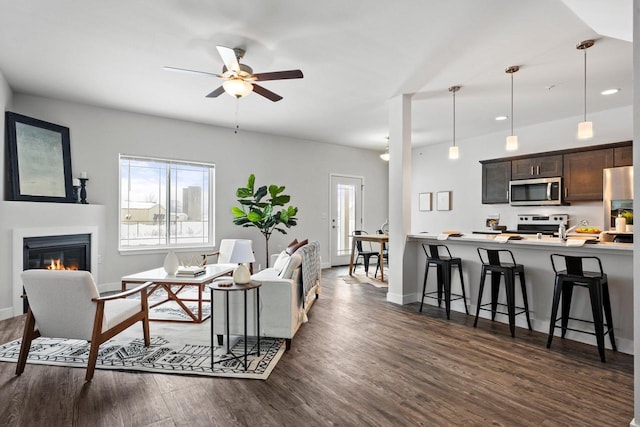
237 115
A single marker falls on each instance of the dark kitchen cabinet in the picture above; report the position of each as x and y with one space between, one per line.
583 174
623 156
537 167
495 182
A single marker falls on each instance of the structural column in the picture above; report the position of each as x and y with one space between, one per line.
401 290
636 197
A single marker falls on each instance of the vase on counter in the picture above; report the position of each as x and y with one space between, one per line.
171 263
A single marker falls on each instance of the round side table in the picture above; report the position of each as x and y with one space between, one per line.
227 286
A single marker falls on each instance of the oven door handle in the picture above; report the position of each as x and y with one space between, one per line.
548 191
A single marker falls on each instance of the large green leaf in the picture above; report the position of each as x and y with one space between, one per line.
254 216
274 190
244 193
237 212
250 182
280 200
262 191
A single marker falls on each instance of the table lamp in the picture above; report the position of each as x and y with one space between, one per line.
241 254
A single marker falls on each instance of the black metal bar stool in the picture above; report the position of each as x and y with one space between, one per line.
436 257
498 266
596 281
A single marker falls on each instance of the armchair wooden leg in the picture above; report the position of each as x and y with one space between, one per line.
145 319
28 336
93 358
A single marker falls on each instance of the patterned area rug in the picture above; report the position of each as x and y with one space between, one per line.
170 310
169 352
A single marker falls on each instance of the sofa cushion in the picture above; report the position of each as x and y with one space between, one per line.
292 249
294 262
266 274
282 262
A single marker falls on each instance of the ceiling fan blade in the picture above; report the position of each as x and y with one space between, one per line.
229 59
184 70
266 93
216 93
279 75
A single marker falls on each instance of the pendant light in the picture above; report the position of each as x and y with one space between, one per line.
453 150
512 139
585 128
385 156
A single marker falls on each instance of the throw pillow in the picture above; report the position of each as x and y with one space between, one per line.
292 250
281 262
294 262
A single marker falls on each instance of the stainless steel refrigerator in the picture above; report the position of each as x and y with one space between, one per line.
617 194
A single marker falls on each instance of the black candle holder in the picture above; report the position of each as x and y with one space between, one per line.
83 190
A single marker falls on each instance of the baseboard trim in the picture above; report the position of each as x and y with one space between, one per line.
6 313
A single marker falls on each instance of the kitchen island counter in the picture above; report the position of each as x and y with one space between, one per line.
534 254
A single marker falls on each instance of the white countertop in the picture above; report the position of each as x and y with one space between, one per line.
530 240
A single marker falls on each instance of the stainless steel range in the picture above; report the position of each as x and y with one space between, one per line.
544 224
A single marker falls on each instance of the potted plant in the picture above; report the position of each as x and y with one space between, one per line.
261 209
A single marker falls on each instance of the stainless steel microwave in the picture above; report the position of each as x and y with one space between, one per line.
537 191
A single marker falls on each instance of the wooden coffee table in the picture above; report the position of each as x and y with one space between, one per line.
173 285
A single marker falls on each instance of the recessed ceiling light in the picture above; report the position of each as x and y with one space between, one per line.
609 91
499 118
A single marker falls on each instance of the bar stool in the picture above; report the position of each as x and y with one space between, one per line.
596 281
494 263
436 257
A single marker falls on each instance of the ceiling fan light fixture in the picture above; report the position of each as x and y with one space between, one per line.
585 128
237 87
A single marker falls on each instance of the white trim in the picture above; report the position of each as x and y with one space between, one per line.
6 313
18 242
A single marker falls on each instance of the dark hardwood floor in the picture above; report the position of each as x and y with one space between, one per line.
359 361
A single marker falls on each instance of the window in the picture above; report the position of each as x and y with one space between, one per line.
165 203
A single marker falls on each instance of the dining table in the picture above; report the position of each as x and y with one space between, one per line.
382 239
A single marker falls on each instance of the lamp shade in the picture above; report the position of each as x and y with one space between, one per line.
512 143
237 87
585 130
453 152
385 156
241 252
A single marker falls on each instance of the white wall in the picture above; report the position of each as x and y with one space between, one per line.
99 134
433 172
6 102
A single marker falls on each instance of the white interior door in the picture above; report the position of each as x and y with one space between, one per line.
346 215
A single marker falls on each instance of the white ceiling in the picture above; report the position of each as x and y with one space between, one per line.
355 55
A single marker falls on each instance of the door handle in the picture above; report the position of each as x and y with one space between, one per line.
538 170
548 191
531 170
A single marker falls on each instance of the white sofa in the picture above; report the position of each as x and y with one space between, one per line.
282 307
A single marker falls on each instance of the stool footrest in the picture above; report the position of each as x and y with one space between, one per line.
607 328
522 309
430 295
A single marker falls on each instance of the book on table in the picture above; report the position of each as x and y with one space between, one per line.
195 270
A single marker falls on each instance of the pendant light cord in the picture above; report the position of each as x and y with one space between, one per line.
511 104
585 85
454 118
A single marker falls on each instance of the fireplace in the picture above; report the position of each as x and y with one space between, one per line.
66 252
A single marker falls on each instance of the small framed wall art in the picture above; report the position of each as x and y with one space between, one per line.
444 200
424 201
39 160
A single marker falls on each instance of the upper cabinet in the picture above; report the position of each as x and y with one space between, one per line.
495 182
623 156
581 170
536 167
583 174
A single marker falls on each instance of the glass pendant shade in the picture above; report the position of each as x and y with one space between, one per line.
385 156
512 140
585 130
512 143
237 87
453 152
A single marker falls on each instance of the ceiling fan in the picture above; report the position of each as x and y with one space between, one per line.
239 79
